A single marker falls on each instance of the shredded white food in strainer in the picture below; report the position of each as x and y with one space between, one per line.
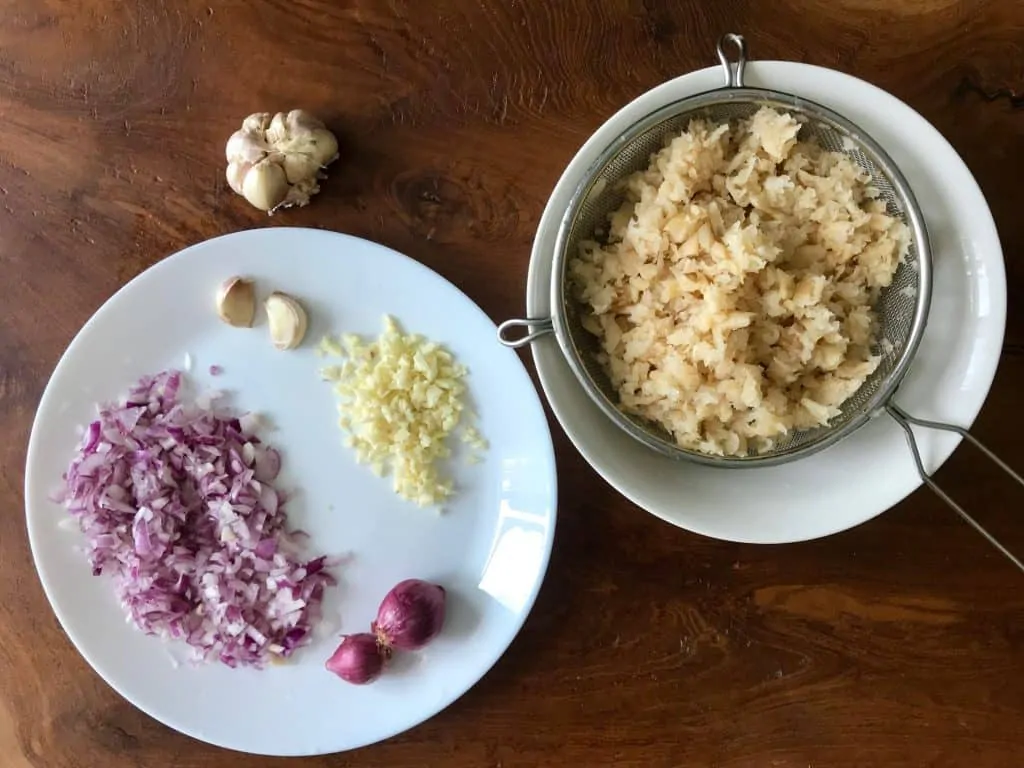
734 298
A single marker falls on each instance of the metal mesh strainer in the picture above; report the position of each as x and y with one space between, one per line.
902 309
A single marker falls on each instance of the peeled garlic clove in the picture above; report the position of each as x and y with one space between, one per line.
287 320
236 302
265 185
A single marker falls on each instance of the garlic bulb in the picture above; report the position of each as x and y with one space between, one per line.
276 161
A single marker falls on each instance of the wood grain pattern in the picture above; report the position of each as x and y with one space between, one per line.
897 643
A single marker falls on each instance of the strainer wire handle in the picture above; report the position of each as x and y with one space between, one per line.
733 77
904 419
535 328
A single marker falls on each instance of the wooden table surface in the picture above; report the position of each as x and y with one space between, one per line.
898 643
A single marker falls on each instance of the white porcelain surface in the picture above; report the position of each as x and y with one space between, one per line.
871 470
490 548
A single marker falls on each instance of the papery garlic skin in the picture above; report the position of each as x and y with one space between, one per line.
236 302
277 161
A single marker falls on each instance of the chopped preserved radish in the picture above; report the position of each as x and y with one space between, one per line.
176 500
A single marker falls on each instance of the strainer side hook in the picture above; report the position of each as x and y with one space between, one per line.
733 76
532 328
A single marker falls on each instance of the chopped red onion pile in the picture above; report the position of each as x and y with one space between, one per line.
177 502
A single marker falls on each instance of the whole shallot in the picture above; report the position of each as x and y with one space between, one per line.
359 659
410 616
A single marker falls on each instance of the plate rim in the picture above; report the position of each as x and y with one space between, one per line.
539 296
32 499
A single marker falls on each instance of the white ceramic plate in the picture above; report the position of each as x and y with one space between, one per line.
489 549
872 469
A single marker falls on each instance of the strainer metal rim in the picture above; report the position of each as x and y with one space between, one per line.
813 110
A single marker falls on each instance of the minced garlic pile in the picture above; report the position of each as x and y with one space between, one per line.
400 398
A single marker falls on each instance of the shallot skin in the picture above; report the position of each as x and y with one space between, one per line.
358 660
411 615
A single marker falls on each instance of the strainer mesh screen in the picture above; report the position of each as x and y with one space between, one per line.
602 194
